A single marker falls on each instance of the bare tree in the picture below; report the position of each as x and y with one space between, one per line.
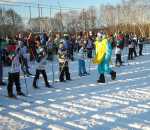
11 22
92 17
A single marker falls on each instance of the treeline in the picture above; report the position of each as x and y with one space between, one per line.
10 22
129 16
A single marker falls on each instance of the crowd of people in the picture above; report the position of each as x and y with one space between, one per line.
97 47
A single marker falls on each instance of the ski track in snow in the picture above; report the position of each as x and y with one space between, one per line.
83 104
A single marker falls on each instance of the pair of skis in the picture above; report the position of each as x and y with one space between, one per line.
24 98
53 78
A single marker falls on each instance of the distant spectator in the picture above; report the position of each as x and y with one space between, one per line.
140 43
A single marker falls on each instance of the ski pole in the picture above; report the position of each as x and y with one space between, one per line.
24 77
126 54
89 65
26 84
53 74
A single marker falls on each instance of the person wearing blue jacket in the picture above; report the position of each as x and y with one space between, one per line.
81 61
103 58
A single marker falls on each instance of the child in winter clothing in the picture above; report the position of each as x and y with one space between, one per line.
89 47
63 63
135 45
41 68
140 40
131 49
119 48
14 76
49 45
24 58
118 56
81 61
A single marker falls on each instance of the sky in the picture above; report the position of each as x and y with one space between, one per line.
24 11
71 3
80 3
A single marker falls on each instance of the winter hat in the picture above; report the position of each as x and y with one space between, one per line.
65 35
17 52
99 35
90 33
61 41
61 45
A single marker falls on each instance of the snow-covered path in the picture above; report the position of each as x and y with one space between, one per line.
83 104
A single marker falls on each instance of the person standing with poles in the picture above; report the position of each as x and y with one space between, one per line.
49 46
131 48
118 53
14 76
140 43
24 57
63 62
89 47
41 59
50 57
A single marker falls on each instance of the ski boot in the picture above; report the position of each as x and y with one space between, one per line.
21 94
101 79
113 75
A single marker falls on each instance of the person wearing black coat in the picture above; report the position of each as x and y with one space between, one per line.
63 63
1 68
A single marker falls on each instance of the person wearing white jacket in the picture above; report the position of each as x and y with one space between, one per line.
118 56
14 76
41 69
131 49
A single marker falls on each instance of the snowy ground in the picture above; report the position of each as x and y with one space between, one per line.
83 104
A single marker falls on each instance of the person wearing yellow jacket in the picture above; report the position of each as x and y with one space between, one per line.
103 46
